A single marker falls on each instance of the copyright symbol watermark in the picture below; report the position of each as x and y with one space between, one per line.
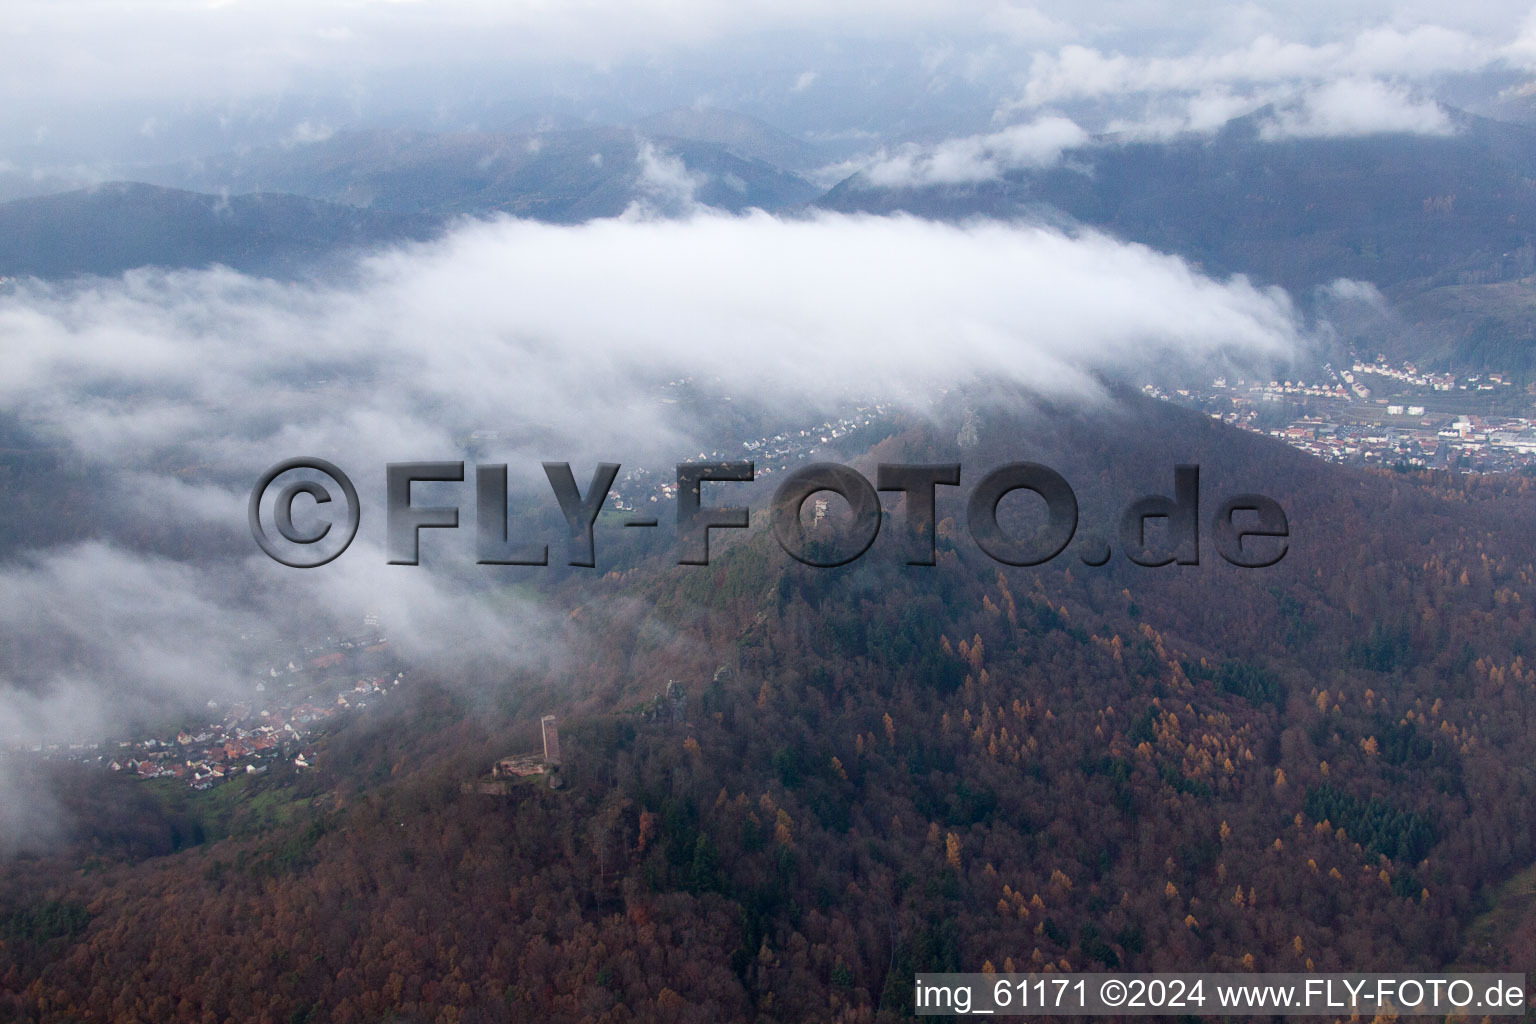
1155 530
282 514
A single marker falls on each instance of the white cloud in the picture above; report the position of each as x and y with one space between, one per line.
1024 23
103 51
306 132
1345 289
1080 72
1166 117
1522 49
1357 107
1327 88
514 323
94 619
1348 107
976 158
667 184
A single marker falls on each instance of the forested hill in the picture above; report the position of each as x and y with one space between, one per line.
880 769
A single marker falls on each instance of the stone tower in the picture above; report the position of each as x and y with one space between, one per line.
551 739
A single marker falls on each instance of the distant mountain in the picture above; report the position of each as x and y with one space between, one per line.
738 134
1390 209
277 210
118 226
23 184
1516 105
560 176
1438 222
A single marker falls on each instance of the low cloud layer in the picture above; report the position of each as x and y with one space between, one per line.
1379 81
531 328
172 392
170 46
1081 72
95 88
178 389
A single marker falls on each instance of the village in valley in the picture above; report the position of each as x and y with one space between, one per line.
1376 413
291 705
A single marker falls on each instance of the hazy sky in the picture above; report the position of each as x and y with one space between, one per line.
88 80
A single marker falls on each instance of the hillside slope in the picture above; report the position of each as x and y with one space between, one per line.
881 769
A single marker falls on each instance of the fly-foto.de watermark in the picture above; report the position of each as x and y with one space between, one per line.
1250 531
